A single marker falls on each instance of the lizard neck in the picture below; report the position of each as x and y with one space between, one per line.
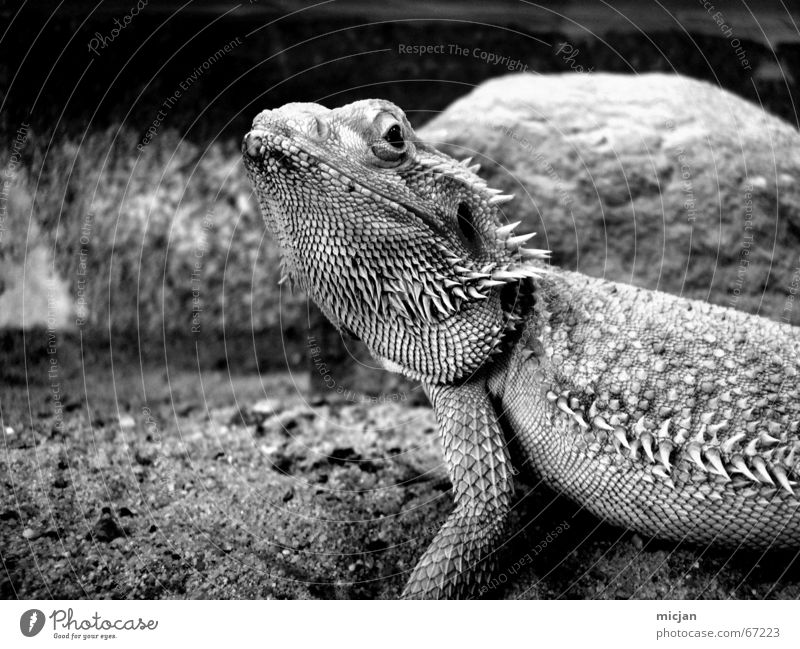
433 351
393 302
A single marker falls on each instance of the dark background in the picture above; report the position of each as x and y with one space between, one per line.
337 52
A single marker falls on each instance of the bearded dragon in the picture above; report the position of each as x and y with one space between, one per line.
673 417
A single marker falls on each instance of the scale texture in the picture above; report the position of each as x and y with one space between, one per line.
669 416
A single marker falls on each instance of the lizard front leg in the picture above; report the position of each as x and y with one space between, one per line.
461 558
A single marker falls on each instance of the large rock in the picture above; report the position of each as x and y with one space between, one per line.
657 180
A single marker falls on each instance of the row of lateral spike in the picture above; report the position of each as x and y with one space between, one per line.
762 468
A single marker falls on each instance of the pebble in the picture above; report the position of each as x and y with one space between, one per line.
28 533
9 431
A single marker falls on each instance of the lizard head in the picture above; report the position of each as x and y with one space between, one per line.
398 243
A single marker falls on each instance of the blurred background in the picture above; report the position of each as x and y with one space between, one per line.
149 360
133 145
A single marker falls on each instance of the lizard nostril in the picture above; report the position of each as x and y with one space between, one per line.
253 144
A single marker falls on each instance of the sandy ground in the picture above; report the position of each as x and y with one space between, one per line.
211 486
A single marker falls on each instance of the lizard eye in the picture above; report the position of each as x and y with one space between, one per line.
390 148
394 136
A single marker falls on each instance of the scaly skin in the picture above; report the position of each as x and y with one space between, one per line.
669 416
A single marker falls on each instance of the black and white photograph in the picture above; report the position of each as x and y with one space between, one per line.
449 300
